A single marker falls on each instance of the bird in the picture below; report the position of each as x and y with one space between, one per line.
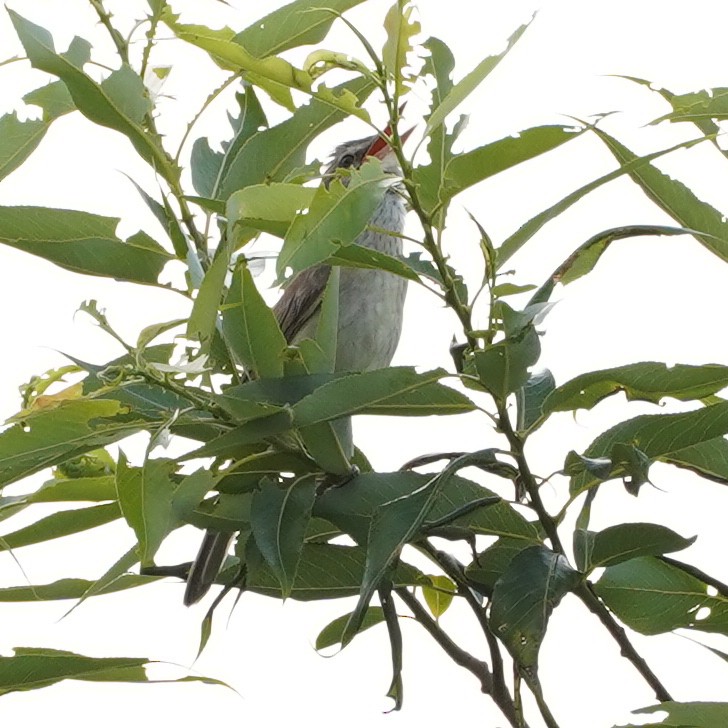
371 306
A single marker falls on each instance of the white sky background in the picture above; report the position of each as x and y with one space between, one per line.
649 299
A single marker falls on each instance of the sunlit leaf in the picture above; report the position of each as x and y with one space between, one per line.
675 199
463 88
51 437
336 216
82 242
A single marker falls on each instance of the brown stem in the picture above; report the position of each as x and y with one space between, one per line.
585 592
453 568
595 606
458 655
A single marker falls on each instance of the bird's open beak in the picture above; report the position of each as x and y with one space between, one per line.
380 148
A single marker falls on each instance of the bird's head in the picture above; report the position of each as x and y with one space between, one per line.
354 153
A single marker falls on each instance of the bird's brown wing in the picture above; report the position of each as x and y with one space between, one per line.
301 300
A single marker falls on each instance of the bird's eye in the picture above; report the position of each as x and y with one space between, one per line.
346 161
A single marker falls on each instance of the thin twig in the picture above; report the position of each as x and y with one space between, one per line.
584 592
453 568
458 655
595 606
116 37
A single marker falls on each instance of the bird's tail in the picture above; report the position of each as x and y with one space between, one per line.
207 565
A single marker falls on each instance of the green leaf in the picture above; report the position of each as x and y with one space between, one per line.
439 596
209 168
83 243
624 541
352 506
490 564
531 397
336 217
429 178
269 155
685 715
657 436
707 459
469 168
250 328
333 632
18 140
469 83
52 436
267 208
57 525
401 28
359 256
400 391
653 597
53 98
503 367
273 74
279 518
675 199
649 381
91 489
585 258
203 320
514 242
70 589
698 106
625 461
397 522
35 667
531 587
117 103
304 22
145 496
325 571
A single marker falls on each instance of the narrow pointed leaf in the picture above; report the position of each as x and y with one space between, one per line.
469 83
675 199
650 381
63 523
145 496
303 22
395 391
279 518
250 328
119 103
682 715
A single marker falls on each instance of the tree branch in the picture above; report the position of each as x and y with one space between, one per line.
595 606
456 653
454 569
